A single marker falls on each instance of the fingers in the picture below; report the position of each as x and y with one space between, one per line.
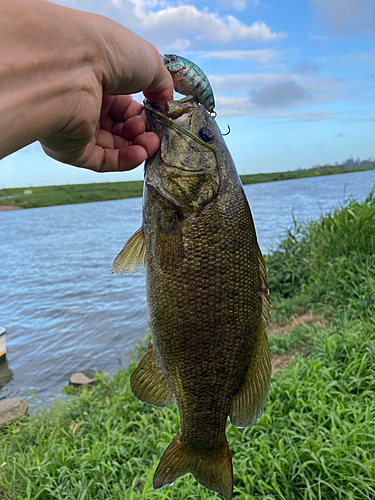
121 154
130 129
115 160
159 97
120 134
130 64
161 88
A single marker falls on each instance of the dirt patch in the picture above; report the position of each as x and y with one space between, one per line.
308 319
6 208
280 360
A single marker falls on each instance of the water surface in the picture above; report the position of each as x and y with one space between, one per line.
63 309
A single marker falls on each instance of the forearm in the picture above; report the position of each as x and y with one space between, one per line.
39 70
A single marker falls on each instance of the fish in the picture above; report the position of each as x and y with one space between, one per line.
207 295
189 79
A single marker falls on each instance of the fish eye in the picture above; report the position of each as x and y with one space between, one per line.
206 134
173 58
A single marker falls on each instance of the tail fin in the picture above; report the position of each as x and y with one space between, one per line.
211 470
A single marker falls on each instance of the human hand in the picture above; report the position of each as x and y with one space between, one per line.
78 70
119 141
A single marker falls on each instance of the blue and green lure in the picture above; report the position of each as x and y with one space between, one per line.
189 79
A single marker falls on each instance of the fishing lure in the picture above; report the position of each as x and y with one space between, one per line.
189 79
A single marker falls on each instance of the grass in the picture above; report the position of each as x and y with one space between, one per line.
45 196
300 174
316 437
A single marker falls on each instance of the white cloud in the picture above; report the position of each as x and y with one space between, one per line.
303 117
160 21
364 58
180 45
204 26
346 16
242 106
243 82
259 56
239 5
320 38
234 106
261 93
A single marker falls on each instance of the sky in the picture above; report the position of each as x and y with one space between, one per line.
295 80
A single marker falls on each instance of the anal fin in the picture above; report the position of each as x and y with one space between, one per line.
147 382
132 256
247 404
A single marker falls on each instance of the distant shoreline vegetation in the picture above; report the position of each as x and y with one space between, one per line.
46 196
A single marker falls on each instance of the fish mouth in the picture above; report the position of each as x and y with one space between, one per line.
174 114
172 110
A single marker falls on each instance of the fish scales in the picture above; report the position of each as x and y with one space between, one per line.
216 300
207 296
189 79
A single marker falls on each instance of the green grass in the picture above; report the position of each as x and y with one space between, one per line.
316 437
300 174
45 196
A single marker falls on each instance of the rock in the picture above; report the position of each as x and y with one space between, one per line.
84 377
11 410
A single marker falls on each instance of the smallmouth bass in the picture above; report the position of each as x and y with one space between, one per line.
207 295
189 79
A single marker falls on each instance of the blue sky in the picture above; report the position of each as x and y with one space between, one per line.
295 80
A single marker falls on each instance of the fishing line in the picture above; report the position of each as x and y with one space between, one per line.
162 45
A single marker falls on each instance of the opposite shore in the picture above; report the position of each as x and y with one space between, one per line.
45 196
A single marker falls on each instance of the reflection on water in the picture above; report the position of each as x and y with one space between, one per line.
6 373
63 309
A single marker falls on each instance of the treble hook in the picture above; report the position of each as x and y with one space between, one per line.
228 131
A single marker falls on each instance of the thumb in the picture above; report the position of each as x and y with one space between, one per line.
161 88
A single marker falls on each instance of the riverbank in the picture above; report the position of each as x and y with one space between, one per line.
45 196
316 436
8 208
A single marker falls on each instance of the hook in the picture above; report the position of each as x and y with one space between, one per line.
228 131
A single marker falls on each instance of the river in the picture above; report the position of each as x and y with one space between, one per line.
63 309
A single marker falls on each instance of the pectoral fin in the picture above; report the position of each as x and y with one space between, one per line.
147 382
168 243
131 258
